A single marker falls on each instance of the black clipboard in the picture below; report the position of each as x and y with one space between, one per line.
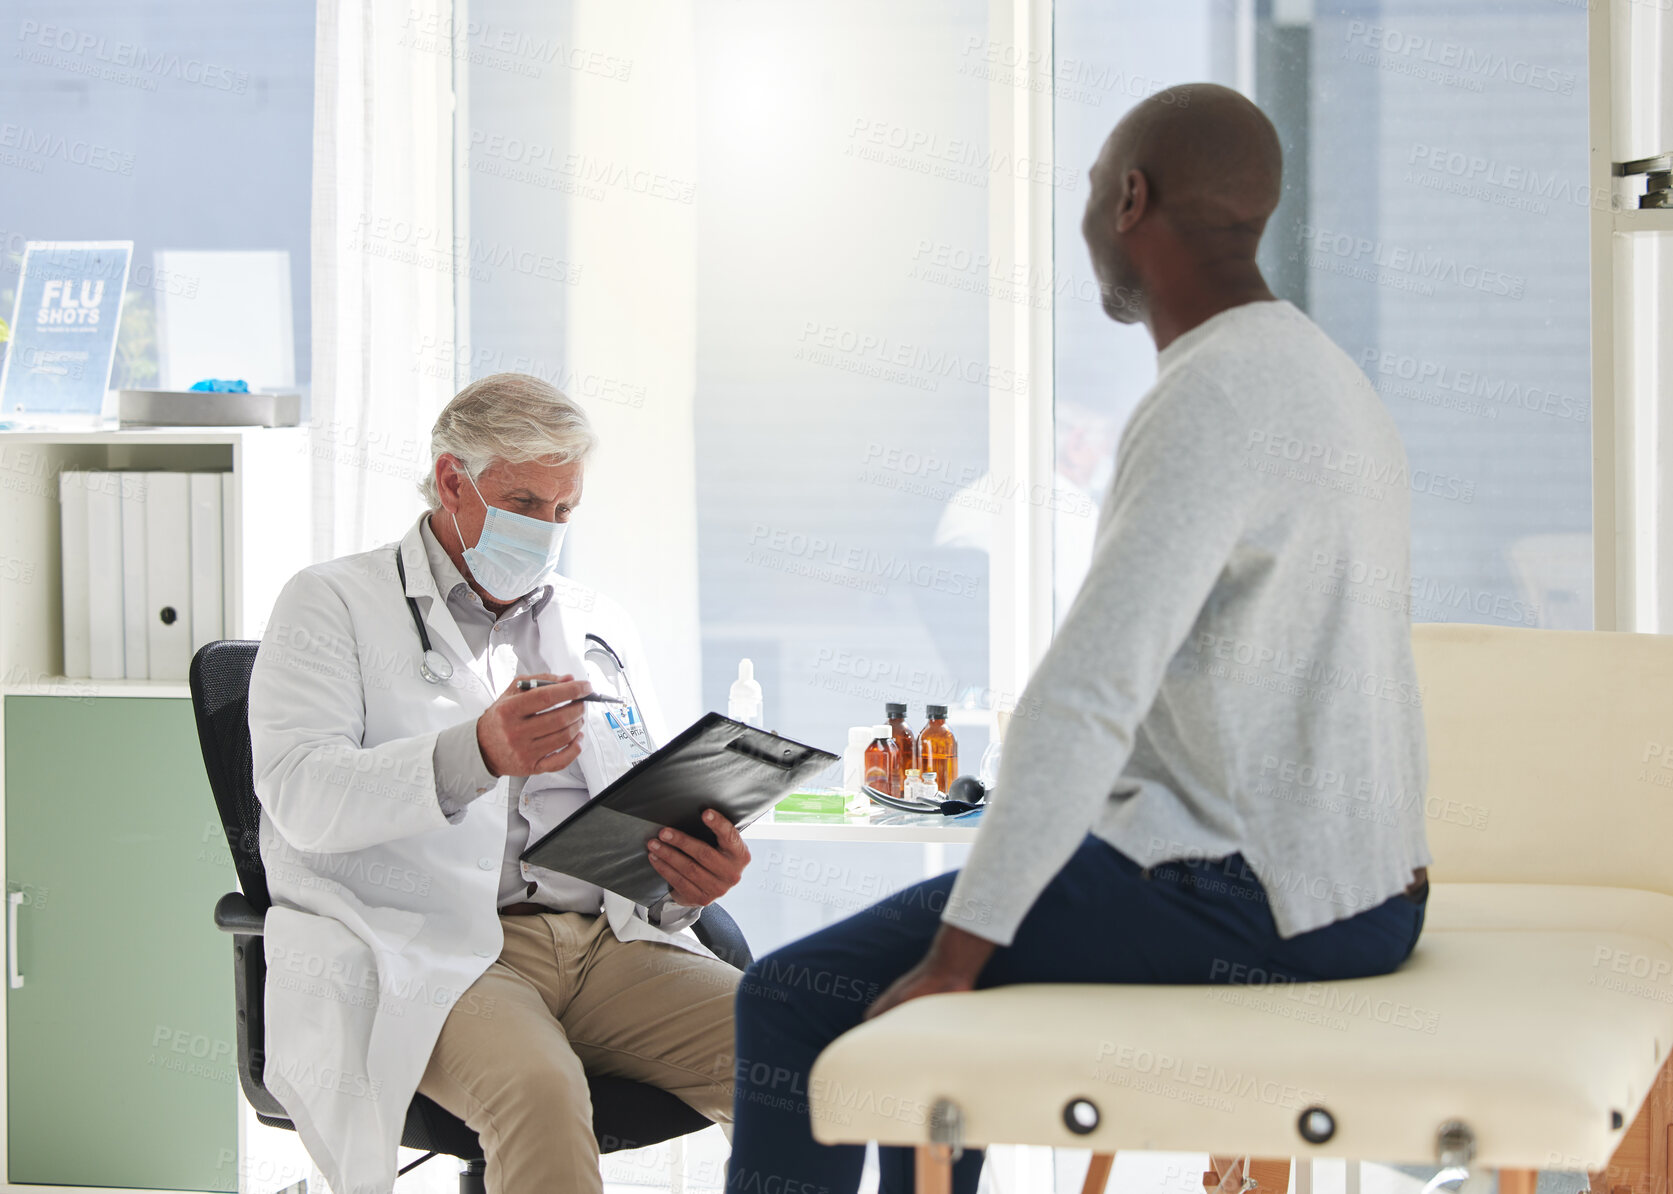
713 763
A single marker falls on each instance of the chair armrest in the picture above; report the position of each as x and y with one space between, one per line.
235 914
721 935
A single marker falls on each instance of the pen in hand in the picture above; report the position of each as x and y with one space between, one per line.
596 697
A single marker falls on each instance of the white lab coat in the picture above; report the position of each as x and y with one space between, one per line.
384 913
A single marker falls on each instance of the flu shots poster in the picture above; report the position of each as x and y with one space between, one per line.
69 300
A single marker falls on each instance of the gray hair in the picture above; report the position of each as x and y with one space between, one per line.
507 416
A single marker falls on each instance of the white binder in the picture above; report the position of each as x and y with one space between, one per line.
72 537
104 575
168 575
206 559
136 665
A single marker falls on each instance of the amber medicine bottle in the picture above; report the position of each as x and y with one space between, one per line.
883 763
908 745
937 755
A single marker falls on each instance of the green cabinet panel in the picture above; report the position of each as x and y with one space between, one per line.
120 1057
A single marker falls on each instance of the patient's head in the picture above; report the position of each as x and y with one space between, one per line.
1180 194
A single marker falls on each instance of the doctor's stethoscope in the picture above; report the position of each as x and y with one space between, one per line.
436 668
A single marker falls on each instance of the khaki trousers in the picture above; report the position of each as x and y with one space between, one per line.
566 999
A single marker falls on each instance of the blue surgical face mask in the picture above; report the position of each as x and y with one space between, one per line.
514 553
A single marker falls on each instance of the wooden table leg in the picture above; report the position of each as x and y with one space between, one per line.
1272 1176
1643 1160
934 1169
1098 1173
1518 1181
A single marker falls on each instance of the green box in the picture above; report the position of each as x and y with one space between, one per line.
828 802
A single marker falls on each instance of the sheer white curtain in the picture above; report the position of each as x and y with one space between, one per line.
383 299
384 262
634 318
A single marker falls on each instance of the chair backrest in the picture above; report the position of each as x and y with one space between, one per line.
220 679
1550 755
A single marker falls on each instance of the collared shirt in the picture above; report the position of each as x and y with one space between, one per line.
506 646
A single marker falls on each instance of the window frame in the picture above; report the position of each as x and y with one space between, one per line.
1630 470
1021 338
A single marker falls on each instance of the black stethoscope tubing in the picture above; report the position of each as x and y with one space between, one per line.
610 651
435 667
947 808
621 670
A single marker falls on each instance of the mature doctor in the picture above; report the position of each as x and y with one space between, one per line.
408 948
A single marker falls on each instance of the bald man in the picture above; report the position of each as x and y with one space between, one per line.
1221 779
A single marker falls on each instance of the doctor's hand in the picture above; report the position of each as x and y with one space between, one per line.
698 873
526 733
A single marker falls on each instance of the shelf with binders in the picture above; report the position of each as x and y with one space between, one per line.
91 767
262 504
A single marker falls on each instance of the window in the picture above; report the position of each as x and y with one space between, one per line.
842 374
766 224
116 116
1434 223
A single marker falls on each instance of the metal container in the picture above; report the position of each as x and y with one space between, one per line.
201 408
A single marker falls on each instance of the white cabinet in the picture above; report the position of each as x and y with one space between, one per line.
112 845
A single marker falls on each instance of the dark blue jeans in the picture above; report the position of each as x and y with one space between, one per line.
1103 919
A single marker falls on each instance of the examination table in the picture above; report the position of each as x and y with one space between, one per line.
1529 1030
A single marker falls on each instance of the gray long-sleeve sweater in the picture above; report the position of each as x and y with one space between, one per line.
1235 673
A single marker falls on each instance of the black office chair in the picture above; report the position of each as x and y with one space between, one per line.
626 1114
